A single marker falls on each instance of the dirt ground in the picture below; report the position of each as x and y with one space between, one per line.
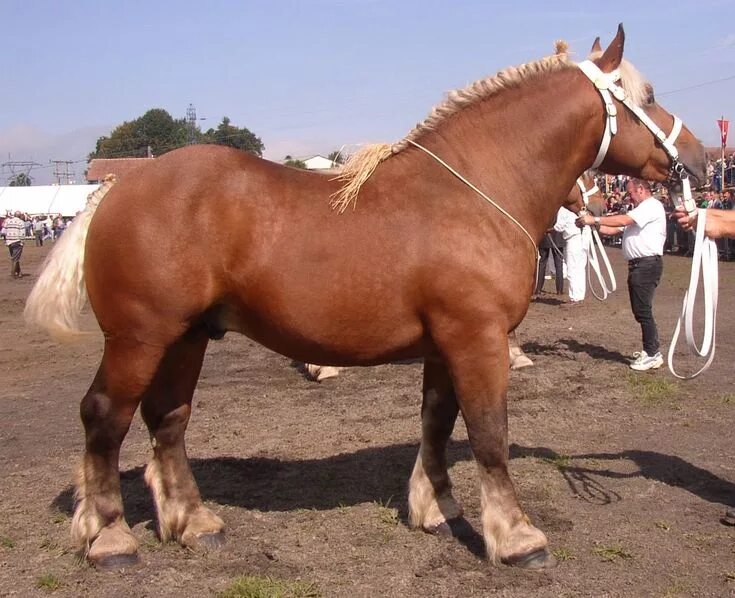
628 474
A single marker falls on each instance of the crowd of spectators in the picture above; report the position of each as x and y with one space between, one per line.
40 227
678 241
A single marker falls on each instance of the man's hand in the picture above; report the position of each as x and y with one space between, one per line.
685 220
585 220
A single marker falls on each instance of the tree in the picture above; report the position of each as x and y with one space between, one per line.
156 130
337 157
21 180
232 136
294 163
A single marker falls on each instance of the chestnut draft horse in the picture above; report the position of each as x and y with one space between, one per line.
421 266
574 202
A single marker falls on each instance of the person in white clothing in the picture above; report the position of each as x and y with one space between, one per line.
644 235
575 254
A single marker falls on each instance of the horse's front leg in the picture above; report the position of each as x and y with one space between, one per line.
430 501
478 361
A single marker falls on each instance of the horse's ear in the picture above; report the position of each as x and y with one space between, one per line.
596 47
612 57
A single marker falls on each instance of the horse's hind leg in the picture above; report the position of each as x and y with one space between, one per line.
166 409
430 501
106 410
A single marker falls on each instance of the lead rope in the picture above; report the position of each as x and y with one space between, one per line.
486 198
592 260
705 258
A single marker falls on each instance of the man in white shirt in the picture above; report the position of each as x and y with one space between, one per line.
644 235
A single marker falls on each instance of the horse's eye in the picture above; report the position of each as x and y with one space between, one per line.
650 98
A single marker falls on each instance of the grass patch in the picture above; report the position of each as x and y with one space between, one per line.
558 461
6 542
563 554
59 517
52 547
728 399
677 588
48 582
611 553
386 513
652 389
664 525
255 586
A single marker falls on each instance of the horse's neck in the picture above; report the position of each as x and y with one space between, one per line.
526 147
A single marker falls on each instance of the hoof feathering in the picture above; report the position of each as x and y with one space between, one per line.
538 559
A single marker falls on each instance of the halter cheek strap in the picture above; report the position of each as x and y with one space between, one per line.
607 85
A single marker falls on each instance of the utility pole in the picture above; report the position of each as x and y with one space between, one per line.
191 124
66 173
18 167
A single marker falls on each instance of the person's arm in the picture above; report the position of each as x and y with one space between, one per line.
608 225
719 223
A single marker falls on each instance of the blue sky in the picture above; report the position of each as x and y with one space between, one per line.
310 76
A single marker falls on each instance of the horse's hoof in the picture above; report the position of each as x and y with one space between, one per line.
442 529
211 541
520 362
538 559
116 561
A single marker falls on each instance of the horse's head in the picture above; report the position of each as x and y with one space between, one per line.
630 106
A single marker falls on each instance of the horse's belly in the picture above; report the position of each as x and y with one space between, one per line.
339 341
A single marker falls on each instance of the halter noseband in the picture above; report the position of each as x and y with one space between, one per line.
606 84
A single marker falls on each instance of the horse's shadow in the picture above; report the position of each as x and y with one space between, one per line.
671 470
379 474
564 346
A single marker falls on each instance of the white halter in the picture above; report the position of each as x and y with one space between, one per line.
606 84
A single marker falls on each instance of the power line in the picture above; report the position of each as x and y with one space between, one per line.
697 86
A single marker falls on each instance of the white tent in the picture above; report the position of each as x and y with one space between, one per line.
66 200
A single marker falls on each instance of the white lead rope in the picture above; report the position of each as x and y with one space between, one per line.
594 264
592 260
486 198
705 258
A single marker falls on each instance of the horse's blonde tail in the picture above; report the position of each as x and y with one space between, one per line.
56 300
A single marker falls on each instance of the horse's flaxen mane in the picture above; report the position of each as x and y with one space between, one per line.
361 165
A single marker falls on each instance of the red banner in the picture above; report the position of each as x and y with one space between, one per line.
724 125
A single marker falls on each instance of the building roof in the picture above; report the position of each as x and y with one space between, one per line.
99 168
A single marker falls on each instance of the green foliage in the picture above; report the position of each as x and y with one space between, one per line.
21 180
232 136
160 132
156 129
652 389
6 542
564 554
336 157
294 163
48 582
255 586
613 552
